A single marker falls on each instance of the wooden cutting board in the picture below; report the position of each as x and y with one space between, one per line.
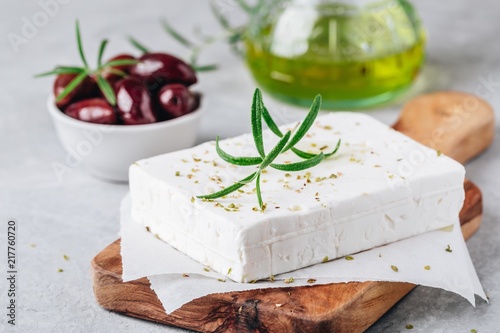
457 124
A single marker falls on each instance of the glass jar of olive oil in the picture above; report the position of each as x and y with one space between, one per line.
356 53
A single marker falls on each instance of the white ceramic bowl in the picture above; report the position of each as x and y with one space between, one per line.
107 151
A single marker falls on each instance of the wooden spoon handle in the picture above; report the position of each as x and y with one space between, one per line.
458 124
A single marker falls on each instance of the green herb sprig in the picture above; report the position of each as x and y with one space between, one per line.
85 71
287 142
233 35
193 59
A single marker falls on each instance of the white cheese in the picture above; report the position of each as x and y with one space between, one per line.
380 187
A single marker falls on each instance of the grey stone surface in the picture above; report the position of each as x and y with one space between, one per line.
78 216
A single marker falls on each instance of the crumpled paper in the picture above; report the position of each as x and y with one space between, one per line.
422 260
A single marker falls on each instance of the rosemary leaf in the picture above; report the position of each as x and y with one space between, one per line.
102 47
306 155
275 151
205 68
303 154
243 161
62 70
72 85
120 62
138 45
106 89
80 46
270 122
334 150
74 69
302 165
219 16
229 189
249 179
256 115
117 72
257 190
306 124
175 34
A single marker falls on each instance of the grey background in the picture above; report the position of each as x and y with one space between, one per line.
78 216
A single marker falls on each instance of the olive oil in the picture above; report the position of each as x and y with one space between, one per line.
353 61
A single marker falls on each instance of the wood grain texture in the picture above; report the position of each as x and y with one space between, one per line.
343 307
458 124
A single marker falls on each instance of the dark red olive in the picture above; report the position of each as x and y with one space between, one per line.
134 102
86 89
161 68
176 100
195 101
113 78
94 110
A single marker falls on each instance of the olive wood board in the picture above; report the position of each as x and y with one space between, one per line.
443 121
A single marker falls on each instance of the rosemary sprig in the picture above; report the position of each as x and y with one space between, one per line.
193 62
138 45
287 142
232 35
85 71
195 48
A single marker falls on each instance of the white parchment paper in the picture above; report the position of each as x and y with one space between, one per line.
144 255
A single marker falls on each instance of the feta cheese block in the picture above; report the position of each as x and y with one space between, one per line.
380 187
